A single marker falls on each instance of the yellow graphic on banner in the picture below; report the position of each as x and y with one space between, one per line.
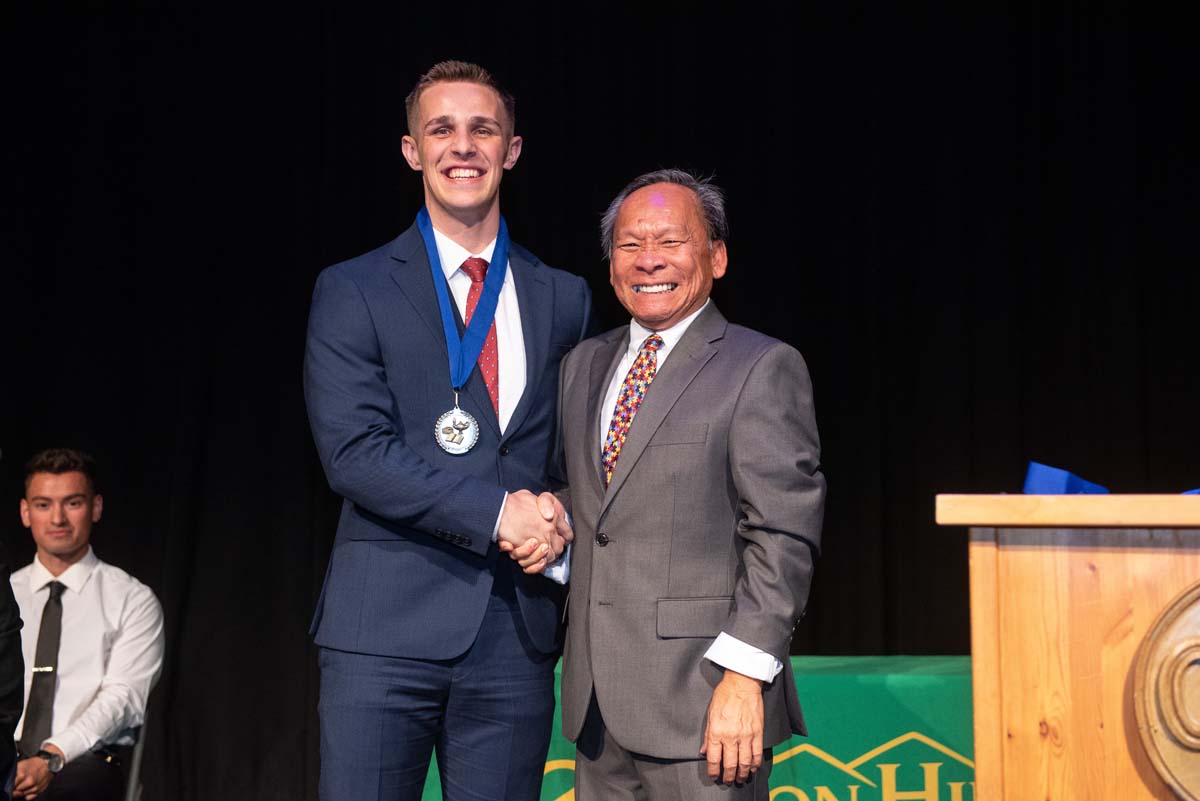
824 756
910 773
561 764
903 738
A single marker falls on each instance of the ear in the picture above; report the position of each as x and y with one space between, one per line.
412 153
514 152
25 514
97 507
720 258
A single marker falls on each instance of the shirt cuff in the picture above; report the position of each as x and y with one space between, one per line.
496 528
740 657
559 570
71 744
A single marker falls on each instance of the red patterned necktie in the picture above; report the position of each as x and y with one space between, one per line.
628 400
489 358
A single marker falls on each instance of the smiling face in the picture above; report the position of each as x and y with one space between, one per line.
462 143
663 263
59 509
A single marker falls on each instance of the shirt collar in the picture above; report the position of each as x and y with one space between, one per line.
452 254
74 577
638 332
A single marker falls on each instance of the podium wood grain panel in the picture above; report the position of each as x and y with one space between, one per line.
1057 618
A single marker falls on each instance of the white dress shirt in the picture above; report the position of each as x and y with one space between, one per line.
109 656
727 651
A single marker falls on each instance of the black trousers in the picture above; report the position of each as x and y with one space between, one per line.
90 777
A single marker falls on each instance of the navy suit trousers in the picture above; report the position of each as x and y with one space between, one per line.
487 713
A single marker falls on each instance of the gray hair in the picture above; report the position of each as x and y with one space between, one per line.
710 196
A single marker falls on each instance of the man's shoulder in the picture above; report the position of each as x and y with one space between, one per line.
119 582
749 337
375 261
749 343
540 267
20 578
589 346
599 340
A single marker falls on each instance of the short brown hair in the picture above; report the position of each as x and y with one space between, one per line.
59 461
458 72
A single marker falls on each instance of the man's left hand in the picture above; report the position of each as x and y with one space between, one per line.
32 777
733 736
533 557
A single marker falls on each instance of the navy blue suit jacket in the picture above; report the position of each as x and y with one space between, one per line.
413 561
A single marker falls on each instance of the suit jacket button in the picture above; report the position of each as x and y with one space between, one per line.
602 539
504 450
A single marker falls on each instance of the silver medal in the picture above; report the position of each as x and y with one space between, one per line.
456 431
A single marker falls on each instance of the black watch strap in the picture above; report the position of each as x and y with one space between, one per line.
53 761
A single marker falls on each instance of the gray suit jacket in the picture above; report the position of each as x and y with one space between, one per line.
711 523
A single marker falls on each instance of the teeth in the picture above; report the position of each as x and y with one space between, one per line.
459 172
654 289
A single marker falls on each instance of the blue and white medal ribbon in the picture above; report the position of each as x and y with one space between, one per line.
457 431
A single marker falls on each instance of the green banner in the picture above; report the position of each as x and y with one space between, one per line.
880 729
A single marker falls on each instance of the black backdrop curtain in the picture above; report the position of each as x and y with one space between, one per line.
977 225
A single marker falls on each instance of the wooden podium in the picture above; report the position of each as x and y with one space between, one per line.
1064 591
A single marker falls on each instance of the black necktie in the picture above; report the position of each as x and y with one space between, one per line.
39 712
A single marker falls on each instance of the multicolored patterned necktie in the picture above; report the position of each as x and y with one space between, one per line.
489 358
628 400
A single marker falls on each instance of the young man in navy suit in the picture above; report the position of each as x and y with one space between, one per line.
431 374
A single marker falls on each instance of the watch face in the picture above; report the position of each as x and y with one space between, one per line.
53 761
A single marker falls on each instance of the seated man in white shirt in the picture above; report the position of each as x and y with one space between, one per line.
92 641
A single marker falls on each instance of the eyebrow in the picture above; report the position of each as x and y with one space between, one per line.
68 498
446 119
658 232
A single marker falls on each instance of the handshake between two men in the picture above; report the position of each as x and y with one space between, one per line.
533 529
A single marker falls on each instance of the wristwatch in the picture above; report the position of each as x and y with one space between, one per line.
53 761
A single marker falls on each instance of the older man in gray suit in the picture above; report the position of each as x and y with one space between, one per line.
690 449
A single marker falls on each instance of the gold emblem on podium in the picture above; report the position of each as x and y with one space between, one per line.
1166 694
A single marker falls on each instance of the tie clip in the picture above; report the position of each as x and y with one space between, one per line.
46 669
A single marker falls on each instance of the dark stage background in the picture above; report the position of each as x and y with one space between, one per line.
978 227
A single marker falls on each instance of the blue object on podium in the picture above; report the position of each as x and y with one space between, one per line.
1042 479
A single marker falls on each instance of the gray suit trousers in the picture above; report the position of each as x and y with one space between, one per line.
604 771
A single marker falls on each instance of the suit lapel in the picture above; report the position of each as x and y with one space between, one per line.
413 275
687 358
535 299
604 362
